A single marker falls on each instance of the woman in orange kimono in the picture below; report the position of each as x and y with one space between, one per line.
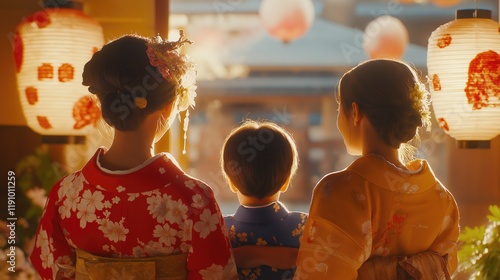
382 217
131 213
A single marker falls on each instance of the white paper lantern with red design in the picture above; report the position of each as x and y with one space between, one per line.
463 62
385 37
287 20
50 49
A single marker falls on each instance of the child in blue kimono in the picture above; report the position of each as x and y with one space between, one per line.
258 160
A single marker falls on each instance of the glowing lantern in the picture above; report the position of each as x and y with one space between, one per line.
50 50
446 3
287 20
385 37
464 68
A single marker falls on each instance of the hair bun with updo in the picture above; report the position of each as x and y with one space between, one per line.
391 95
121 72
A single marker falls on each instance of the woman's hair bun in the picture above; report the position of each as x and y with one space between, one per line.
120 72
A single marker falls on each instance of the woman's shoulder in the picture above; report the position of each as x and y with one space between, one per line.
341 184
72 178
197 186
72 182
338 179
186 181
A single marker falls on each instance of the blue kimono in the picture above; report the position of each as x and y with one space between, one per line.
269 225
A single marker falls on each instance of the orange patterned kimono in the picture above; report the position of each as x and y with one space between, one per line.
154 212
376 209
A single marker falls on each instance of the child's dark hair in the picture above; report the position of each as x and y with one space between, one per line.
120 72
390 95
259 158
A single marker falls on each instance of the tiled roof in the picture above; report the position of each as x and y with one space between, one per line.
326 45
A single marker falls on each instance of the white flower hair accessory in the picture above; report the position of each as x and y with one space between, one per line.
420 99
175 68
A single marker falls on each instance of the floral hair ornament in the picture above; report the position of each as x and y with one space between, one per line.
420 102
175 68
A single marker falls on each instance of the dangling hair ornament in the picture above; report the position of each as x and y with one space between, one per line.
175 68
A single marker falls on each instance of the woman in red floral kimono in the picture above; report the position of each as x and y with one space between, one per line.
130 213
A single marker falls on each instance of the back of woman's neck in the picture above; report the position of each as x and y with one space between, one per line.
127 151
372 143
390 155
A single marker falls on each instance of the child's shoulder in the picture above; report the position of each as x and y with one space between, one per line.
229 218
295 217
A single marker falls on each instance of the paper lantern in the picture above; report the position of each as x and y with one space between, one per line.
287 20
385 37
50 49
464 69
446 3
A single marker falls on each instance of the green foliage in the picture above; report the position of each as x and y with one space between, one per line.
35 176
479 252
38 170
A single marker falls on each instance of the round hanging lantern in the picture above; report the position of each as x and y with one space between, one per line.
463 63
287 20
385 37
446 3
50 49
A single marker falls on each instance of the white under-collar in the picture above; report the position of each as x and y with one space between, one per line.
126 171
259 206
399 168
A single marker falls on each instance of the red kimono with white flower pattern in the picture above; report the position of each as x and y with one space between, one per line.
152 210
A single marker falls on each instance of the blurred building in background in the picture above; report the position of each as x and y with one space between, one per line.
246 73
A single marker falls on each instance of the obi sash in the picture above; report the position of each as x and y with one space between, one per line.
92 267
426 265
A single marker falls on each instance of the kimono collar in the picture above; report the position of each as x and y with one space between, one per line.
159 171
382 173
261 215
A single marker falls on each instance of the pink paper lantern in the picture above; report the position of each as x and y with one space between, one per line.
385 37
287 20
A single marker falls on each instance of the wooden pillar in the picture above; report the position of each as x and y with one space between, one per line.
162 10
329 117
301 185
474 180
161 28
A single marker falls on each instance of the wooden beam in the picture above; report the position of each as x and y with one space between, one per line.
162 10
